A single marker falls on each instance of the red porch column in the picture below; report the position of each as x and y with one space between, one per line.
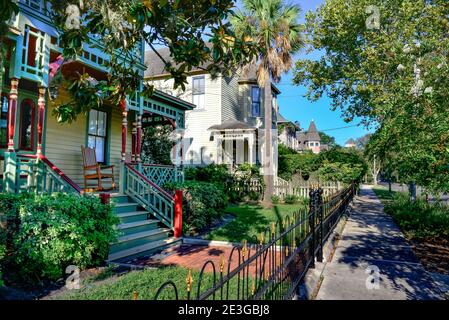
177 223
124 127
12 112
133 142
40 118
139 138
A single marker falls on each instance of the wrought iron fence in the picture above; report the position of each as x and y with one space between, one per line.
271 266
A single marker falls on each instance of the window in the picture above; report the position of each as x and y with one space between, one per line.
4 122
97 134
199 92
27 115
255 101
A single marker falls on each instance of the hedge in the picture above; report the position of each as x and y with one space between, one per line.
46 233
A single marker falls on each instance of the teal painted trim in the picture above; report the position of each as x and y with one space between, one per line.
14 71
24 94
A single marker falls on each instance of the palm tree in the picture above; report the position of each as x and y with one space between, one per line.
273 26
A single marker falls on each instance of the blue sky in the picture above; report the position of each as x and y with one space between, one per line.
294 106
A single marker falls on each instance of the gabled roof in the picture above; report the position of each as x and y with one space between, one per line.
281 119
231 124
156 67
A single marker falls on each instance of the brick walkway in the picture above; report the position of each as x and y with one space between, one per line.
195 256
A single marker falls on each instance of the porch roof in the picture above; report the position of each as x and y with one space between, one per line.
172 100
231 124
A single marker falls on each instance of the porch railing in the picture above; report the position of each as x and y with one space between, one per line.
162 174
37 174
149 195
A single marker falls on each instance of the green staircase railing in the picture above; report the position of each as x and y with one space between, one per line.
38 174
149 195
161 174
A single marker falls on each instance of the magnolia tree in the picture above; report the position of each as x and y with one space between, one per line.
387 62
196 32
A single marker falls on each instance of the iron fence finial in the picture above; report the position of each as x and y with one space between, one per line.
245 248
189 280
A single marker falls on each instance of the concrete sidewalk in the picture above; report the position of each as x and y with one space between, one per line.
372 242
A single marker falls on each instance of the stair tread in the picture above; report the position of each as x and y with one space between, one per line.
136 224
142 234
142 248
130 214
126 204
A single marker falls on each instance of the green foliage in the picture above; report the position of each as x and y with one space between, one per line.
203 202
394 78
236 186
2 252
54 231
327 139
120 27
291 199
336 164
419 220
284 150
303 163
157 145
275 199
213 173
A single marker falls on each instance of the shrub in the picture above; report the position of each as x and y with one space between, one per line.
275 199
419 219
213 173
202 203
291 199
2 252
55 231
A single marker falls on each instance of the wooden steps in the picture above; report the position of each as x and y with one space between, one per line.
140 232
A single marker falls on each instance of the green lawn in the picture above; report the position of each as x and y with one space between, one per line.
251 220
419 220
144 282
147 282
383 194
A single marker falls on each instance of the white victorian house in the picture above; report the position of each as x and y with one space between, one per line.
227 124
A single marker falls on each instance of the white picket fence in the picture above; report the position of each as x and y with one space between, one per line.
283 188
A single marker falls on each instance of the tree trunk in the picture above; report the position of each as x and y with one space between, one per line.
375 171
268 152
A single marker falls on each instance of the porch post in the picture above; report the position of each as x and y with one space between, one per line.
139 138
10 175
12 113
122 177
124 127
40 118
133 141
250 148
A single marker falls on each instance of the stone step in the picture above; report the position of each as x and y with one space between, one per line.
138 226
139 238
126 207
133 216
144 249
119 198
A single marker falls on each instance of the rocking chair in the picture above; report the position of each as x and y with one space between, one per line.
94 171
